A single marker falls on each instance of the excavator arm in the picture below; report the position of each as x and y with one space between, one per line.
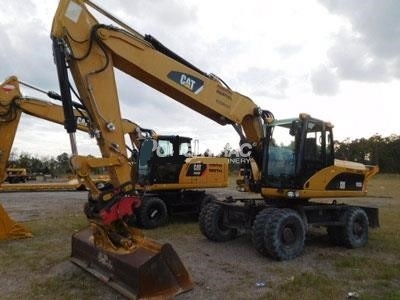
95 48
92 51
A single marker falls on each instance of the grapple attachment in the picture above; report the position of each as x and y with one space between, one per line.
149 271
9 229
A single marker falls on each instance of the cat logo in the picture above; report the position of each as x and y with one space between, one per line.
196 169
188 81
104 260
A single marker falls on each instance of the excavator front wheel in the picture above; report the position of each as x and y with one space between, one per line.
284 234
152 213
261 220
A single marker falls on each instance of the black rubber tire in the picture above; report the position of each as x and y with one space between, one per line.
152 213
207 198
284 235
202 219
355 232
210 223
262 218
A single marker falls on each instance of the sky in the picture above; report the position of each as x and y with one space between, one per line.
338 60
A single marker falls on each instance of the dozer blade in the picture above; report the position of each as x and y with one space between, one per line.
9 229
151 271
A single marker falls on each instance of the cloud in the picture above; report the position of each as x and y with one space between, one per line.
146 16
17 10
264 50
288 50
368 50
353 60
324 81
25 49
263 82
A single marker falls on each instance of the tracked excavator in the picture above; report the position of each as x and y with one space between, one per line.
289 161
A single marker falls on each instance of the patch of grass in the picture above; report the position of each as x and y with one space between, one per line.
30 260
372 271
369 273
360 267
76 285
307 285
382 292
387 237
49 244
178 226
386 185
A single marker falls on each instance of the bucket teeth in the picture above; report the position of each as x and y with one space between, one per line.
148 271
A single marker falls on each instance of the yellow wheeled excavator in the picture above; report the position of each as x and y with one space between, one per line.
288 162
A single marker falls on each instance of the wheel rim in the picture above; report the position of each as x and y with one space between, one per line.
358 228
288 236
154 214
220 224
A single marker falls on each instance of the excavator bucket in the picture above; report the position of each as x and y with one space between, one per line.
9 229
150 271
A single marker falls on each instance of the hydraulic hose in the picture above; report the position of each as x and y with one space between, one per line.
62 72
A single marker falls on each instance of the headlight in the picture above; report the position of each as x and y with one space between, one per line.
293 194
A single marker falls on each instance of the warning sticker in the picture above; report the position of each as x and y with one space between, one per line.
342 185
73 11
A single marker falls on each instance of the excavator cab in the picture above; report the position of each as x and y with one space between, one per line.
297 148
299 162
161 160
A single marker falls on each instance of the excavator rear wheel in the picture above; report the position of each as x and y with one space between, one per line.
355 232
152 213
284 234
211 224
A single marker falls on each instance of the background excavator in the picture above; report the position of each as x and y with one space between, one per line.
166 188
289 161
12 104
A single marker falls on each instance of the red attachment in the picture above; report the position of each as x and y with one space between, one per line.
8 87
120 209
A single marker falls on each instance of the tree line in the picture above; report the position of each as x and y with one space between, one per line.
376 150
55 167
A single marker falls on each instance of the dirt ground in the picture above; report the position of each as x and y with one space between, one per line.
219 270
